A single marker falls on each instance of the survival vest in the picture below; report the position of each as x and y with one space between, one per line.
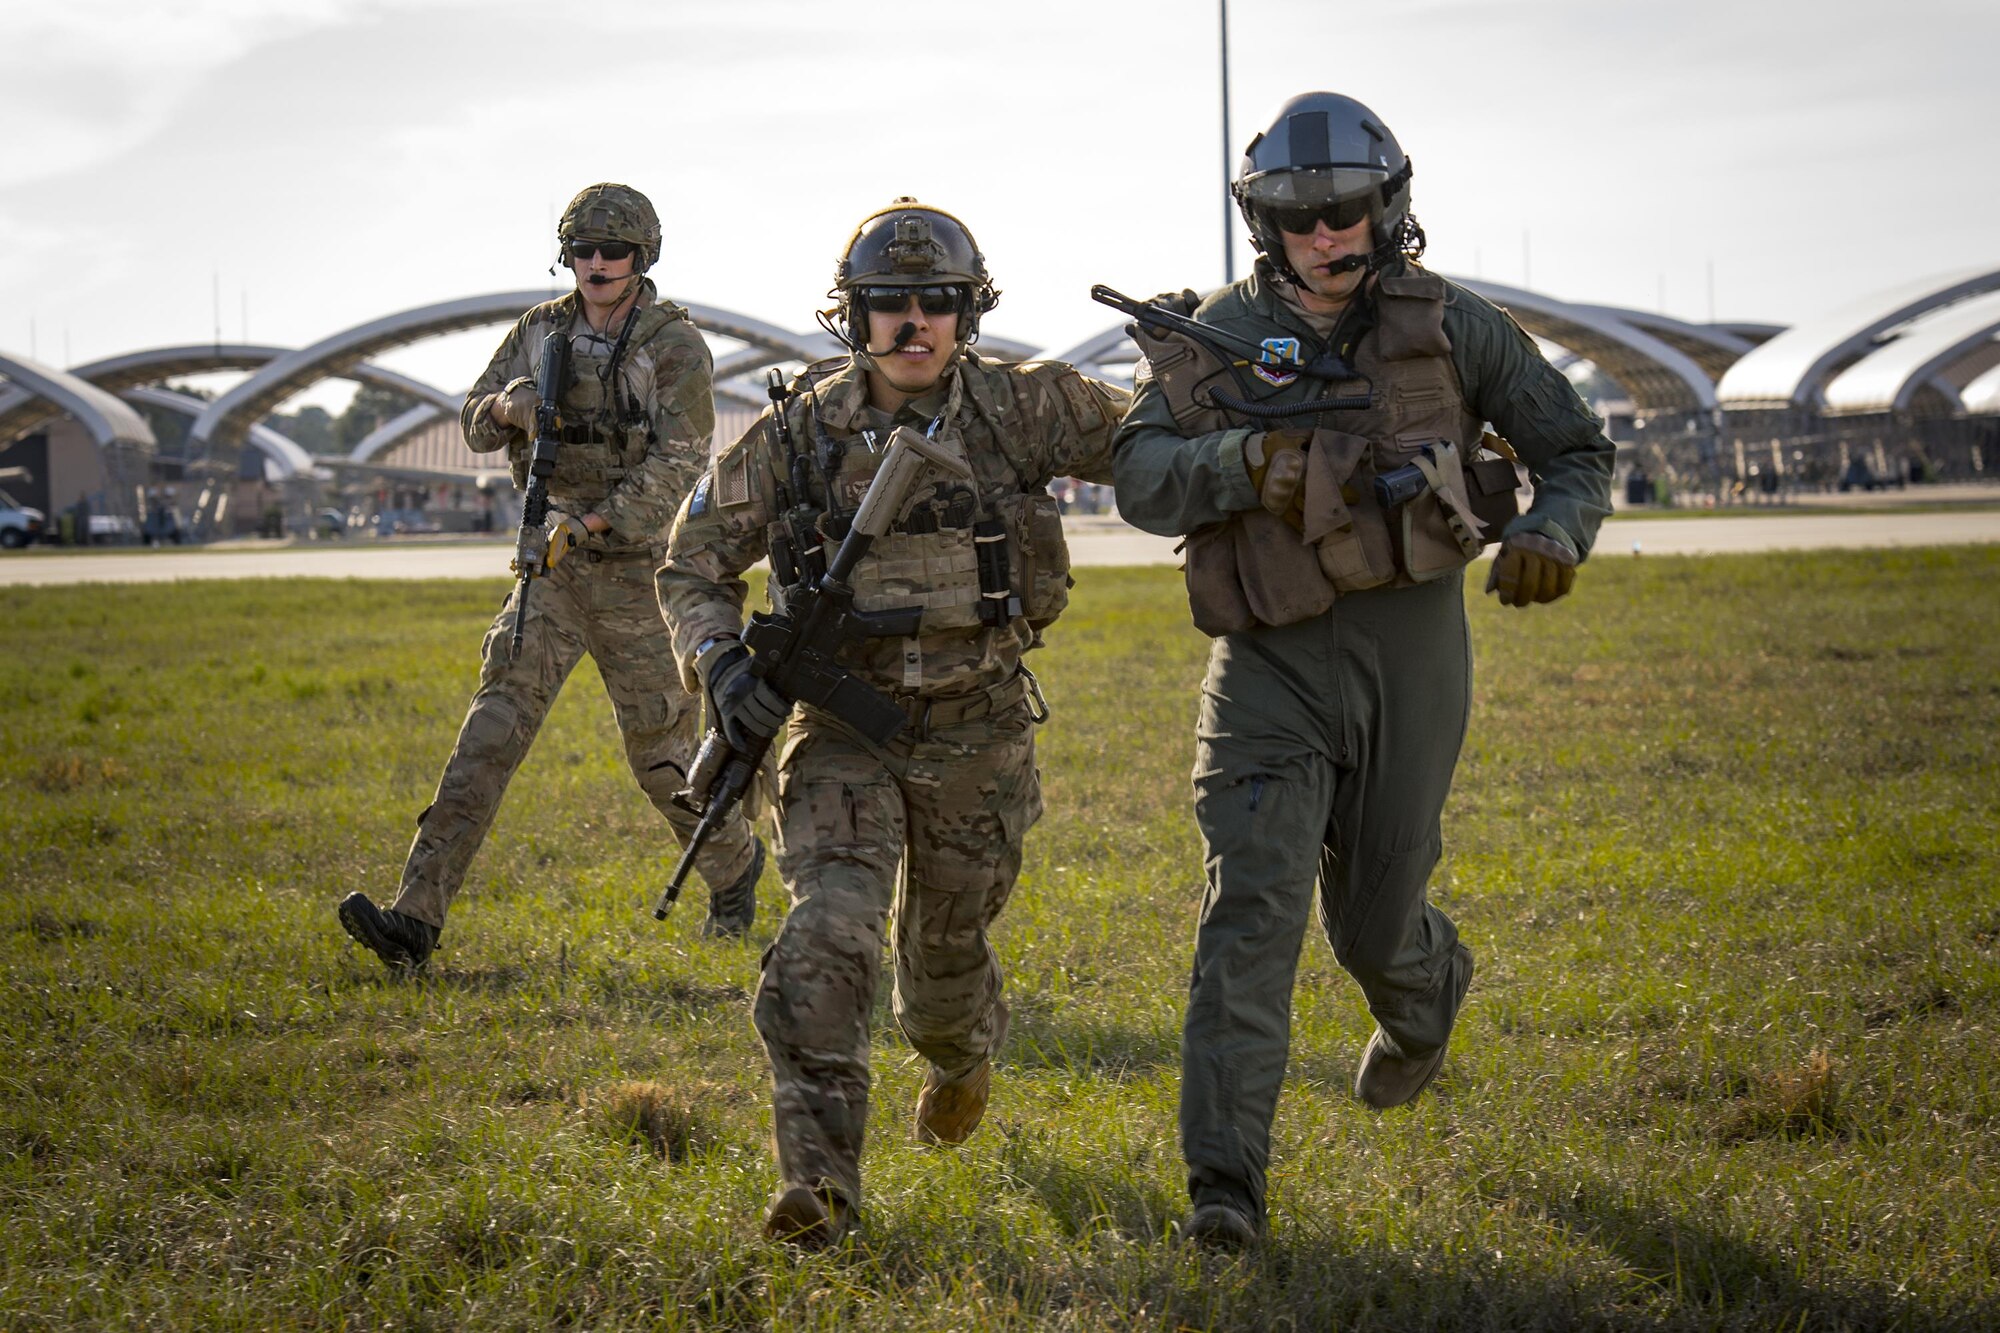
1256 569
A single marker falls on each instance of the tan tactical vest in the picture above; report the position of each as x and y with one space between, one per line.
1257 569
931 557
603 436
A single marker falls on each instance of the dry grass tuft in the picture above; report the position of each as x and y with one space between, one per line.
1793 1103
70 772
671 1122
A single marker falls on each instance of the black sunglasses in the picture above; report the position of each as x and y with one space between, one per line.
930 300
1338 216
612 250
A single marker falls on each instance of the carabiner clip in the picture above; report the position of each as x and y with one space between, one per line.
1038 704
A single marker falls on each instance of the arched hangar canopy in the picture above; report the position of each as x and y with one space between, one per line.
1713 348
283 457
21 411
113 424
1959 337
229 417
1792 370
1982 396
1659 377
159 363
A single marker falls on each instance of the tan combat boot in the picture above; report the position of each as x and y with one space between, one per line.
809 1218
1388 1077
948 1110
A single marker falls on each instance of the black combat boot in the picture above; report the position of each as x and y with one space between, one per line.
398 940
733 907
1219 1226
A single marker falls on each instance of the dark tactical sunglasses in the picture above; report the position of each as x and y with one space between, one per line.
1339 215
611 250
930 300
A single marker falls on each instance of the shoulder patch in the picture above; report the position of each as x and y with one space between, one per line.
732 479
1077 394
698 501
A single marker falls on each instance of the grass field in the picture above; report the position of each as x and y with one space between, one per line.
1723 836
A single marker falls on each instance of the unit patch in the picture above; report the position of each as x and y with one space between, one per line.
1278 352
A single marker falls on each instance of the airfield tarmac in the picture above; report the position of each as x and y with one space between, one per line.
1093 540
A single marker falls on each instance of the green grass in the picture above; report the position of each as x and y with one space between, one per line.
1723 836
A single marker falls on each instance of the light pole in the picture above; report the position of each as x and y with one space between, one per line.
1228 204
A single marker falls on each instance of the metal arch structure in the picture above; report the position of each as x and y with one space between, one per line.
228 418
1660 377
112 423
1791 371
1981 398
1713 349
154 364
286 457
1954 344
1750 330
21 411
1110 355
396 430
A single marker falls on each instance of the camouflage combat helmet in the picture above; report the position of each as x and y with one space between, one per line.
1326 157
909 244
612 212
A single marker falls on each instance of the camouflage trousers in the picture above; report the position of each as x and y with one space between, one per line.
951 807
605 607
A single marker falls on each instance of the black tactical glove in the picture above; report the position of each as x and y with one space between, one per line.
1531 568
746 709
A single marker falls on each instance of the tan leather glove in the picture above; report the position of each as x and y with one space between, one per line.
564 532
1276 462
516 406
1531 568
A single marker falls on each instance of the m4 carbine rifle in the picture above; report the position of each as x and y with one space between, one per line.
531 542
794 648
1237 352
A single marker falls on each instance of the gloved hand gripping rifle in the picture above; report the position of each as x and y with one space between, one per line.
794 649
531 542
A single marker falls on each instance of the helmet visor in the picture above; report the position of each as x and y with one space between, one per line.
1294 201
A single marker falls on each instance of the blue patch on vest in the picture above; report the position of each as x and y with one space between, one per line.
698 502
1281 352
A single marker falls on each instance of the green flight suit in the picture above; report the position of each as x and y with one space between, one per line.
1325 747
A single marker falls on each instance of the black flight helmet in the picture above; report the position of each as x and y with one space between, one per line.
1325 158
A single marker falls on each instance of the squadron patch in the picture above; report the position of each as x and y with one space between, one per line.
1278 353
698 502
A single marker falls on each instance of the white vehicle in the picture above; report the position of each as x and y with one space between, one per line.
19 524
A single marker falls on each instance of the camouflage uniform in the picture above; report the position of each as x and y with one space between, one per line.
952 797
630 456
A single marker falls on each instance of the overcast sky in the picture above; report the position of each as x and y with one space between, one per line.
337 160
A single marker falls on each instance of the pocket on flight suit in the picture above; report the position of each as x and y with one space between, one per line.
1349 531
1279 571
1214 591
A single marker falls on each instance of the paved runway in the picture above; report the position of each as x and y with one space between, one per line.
1094 540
